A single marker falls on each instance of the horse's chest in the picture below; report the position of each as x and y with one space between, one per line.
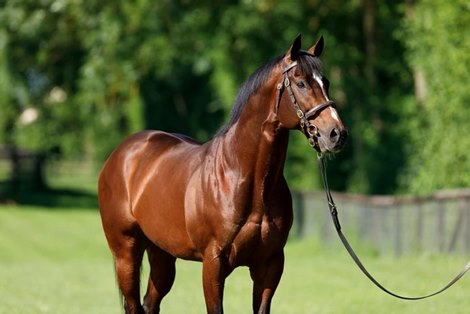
257 241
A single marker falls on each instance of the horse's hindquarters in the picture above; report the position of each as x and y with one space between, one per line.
143 184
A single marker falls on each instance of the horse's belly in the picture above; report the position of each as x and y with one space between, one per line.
165 228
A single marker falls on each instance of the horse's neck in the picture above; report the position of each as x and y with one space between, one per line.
256 145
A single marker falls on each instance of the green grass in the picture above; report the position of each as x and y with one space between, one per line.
57 261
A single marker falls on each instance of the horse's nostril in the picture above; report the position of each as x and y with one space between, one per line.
334 134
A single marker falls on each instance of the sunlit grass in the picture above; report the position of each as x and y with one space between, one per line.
57 261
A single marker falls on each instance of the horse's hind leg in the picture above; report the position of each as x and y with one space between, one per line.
162 276
128 251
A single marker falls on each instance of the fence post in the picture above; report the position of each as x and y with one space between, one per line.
440 231
457 227
419 228
466 218
299 213
398 231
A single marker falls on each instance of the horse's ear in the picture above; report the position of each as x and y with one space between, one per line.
294 50
317 48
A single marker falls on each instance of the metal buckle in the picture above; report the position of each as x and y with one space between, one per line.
312 130
311 141
300 114
286 82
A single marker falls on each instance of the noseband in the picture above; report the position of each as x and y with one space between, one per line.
309 129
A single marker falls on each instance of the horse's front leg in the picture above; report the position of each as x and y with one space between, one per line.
266 277
214 272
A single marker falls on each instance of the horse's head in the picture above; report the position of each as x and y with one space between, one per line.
306 105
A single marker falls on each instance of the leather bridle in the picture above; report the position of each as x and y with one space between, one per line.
309 129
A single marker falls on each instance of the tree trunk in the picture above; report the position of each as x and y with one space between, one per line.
368 27
15 170
39 179
418 74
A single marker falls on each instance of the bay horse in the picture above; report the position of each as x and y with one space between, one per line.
225 202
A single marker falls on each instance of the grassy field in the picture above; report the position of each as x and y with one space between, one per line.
57 261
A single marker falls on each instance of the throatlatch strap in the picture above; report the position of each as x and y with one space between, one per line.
334 216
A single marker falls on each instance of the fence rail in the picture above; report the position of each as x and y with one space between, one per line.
397 224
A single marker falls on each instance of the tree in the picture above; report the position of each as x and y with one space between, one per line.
40 61
438 45
76 79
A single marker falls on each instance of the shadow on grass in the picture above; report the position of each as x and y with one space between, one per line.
47 197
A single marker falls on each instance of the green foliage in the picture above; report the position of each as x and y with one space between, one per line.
76 77
8 111
439 46
41 57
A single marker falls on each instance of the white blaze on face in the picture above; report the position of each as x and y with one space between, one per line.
334 113
322 87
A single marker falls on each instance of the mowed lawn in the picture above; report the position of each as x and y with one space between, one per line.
57 261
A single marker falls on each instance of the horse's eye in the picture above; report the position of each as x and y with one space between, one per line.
300 84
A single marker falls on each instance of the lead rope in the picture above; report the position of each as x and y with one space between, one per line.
334 216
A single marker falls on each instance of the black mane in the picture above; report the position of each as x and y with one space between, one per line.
307 63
